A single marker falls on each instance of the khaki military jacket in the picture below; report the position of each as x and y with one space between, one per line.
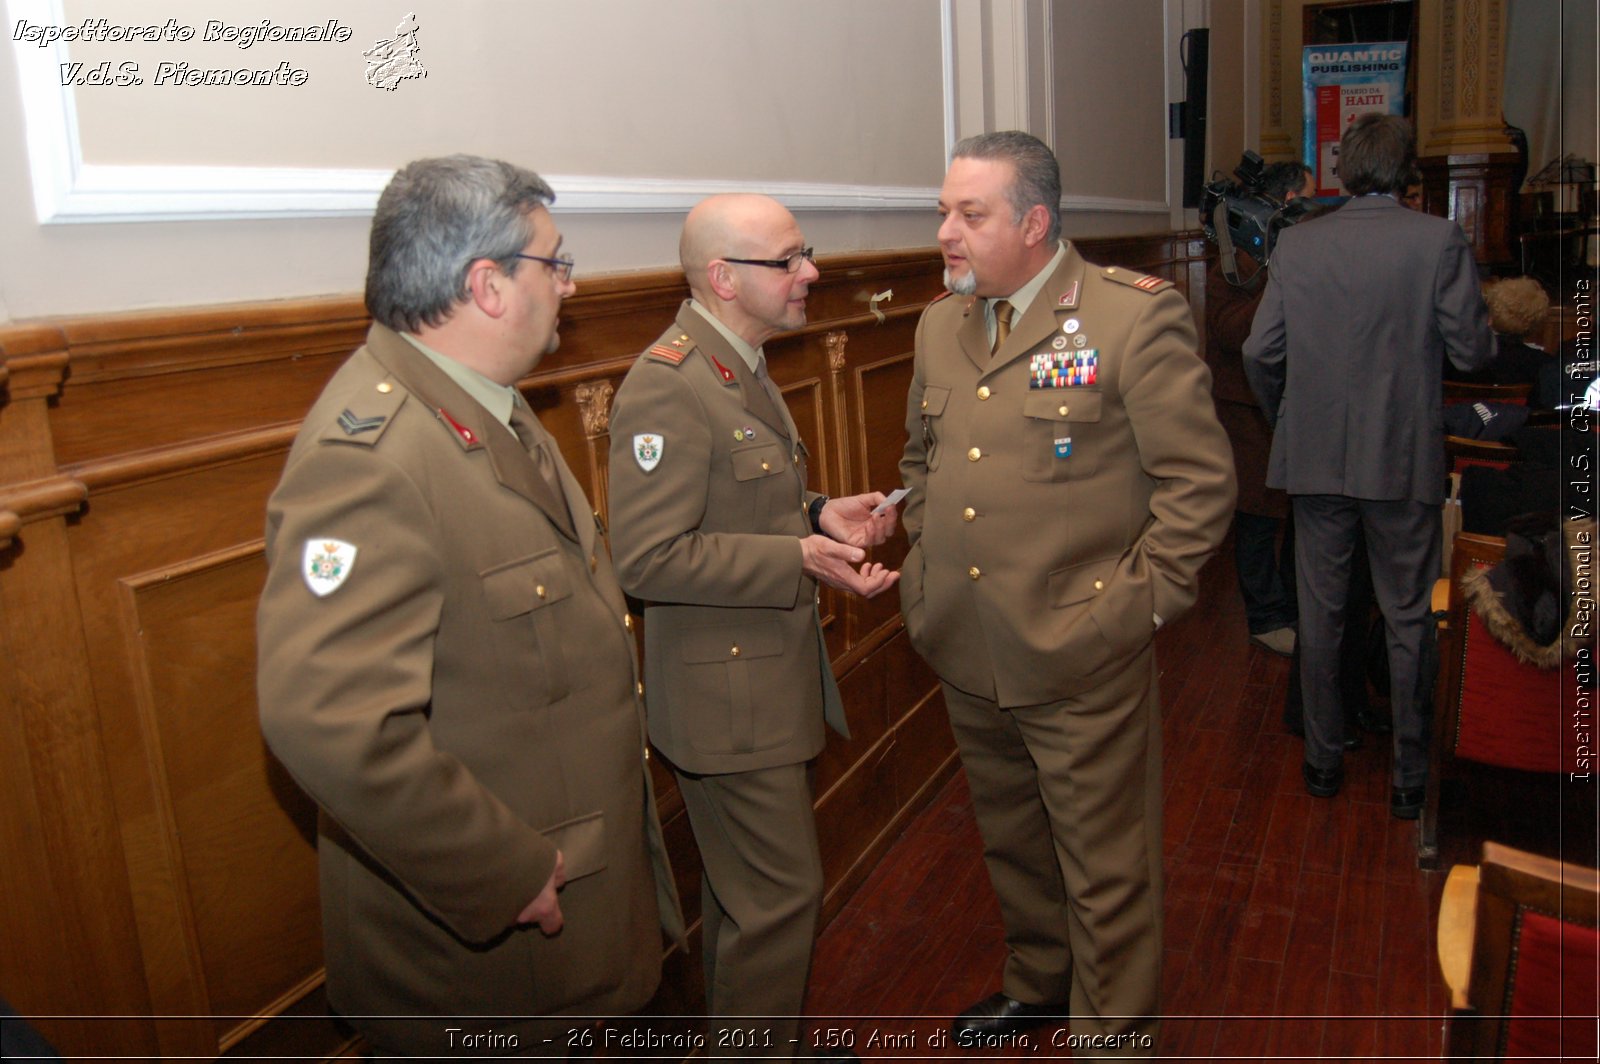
1065 492
708 504
460 703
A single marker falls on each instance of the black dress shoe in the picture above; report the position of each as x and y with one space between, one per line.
1319 783
1406 802
983 1022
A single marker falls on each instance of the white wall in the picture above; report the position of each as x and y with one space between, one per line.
159 196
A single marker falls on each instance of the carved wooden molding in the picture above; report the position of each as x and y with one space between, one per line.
125 470
594 405
40 500
835 342
35 376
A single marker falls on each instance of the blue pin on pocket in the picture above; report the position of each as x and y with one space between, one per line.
1064 447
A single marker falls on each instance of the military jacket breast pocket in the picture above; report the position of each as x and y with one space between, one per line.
753 462
934 400
523 599
1058 434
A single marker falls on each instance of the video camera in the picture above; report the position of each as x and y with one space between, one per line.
1241 216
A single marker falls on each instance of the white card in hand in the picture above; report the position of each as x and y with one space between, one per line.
894 496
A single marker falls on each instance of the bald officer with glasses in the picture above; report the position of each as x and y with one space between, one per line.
713 526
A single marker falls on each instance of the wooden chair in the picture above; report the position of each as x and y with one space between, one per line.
1465 392
1519 950
1488 708
1463 451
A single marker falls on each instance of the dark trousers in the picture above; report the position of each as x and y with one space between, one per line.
1402 541
1355 661
1266 571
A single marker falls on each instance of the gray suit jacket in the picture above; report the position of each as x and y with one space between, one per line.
1348 345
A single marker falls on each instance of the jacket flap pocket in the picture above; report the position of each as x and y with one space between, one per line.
526 584
933 400
582 842
762 460
1079 583
1062 404
732 643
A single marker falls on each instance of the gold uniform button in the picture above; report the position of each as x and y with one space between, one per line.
647 753
639 689
627 622
1099 585
969 514
974 572
983 393
974 454
924 404
735 651
594 563
1062 409
385 387
766 467
540 591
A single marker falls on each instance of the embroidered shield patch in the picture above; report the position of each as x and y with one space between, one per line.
326 564
647 447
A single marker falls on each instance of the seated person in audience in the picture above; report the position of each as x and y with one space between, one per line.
1517 306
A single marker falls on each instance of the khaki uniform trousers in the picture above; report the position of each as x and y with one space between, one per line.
1068 800
760 898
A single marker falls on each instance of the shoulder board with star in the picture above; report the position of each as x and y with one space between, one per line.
1144 282
366 415
671 351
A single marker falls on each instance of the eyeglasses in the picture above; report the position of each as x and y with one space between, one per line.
562 266
791 263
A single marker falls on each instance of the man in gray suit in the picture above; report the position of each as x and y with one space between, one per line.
1345 355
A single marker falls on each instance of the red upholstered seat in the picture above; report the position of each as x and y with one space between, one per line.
1553 991
1508 713
1519 952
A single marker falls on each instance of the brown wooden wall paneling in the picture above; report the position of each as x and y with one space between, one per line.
160 863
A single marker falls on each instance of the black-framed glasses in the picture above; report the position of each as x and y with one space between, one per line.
790 263
562 265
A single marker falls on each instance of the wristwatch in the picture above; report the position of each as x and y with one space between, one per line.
814 512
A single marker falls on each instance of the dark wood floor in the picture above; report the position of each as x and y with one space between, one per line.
1296 927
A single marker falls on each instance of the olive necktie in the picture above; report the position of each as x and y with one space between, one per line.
533 438
1002 323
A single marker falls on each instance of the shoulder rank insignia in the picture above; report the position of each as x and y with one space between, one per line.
946 294
1144 282
673 351
354 426
727 374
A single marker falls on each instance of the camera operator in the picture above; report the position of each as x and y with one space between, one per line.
1266 571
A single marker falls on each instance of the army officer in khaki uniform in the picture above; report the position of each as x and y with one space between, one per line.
1068 479
714 528
446 660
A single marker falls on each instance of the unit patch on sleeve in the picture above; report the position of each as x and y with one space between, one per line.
326 564
647 448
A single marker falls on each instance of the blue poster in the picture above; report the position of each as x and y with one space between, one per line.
1341 82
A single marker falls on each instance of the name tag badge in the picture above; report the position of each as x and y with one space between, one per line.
1064 447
